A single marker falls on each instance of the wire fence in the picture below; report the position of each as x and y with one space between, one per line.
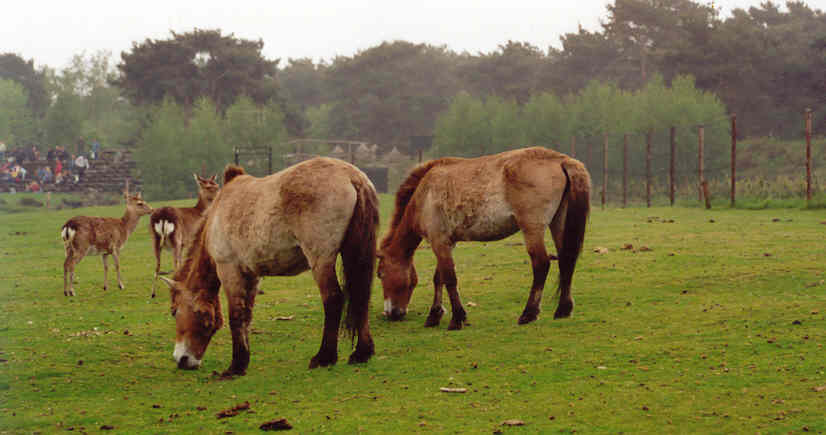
659 166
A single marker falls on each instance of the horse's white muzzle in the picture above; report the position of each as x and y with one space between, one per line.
185 358
393 313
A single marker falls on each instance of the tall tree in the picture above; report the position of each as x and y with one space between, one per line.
16 123
14 67
390 92
511 72
201 63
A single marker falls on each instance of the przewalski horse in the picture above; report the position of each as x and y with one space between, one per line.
84 235
298 219
173 228
487 198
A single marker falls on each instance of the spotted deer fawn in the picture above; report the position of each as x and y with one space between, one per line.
84 235
174 228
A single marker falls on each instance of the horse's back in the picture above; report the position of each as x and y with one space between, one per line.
270 223
490 197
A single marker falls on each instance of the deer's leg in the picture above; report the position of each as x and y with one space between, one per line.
116 258
105 271
436 310
239 288
177 252
447 277
324 273
158 248
69 274
540 263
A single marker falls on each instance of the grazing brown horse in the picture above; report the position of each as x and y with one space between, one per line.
298 219
487 198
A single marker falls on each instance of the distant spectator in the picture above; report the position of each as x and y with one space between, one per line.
33 186
51 154
34 153
18 173
58 167
5 171
81 164
45 175
95 150
2 150
61 153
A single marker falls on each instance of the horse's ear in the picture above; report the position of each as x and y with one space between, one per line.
212 178
197 178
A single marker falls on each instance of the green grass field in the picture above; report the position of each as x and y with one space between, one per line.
718 328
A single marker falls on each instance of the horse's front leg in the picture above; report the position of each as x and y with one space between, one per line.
436 310
240 292
447 277
540 262
333 300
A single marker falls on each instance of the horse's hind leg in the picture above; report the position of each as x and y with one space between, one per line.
436 310
324 273
540 262
566 301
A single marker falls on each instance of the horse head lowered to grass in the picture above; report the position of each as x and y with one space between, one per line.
298 219
450 200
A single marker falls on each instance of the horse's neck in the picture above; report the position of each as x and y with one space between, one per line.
199 270
404 240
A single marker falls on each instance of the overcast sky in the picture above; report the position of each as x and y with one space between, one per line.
52 32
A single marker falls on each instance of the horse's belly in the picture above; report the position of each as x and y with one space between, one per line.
486 228
285 263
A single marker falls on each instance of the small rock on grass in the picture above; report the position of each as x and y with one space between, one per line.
280 424
513 422
453 390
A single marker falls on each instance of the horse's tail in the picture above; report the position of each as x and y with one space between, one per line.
358 255
577 206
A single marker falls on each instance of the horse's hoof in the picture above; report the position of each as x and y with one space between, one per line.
455 326
564 310
121 286
359 357
431 323
323 360
528 316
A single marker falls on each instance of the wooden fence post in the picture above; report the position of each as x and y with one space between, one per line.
648 137
733 156
673 142
604 168
700 143
808 155
625 170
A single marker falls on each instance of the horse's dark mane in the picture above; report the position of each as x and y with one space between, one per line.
232 171
408 188
198 261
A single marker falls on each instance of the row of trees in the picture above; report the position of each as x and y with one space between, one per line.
765 64
180 140
601 112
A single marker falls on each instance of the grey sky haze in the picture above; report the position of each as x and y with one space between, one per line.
52 32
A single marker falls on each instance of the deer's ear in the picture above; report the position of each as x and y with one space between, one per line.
171 283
